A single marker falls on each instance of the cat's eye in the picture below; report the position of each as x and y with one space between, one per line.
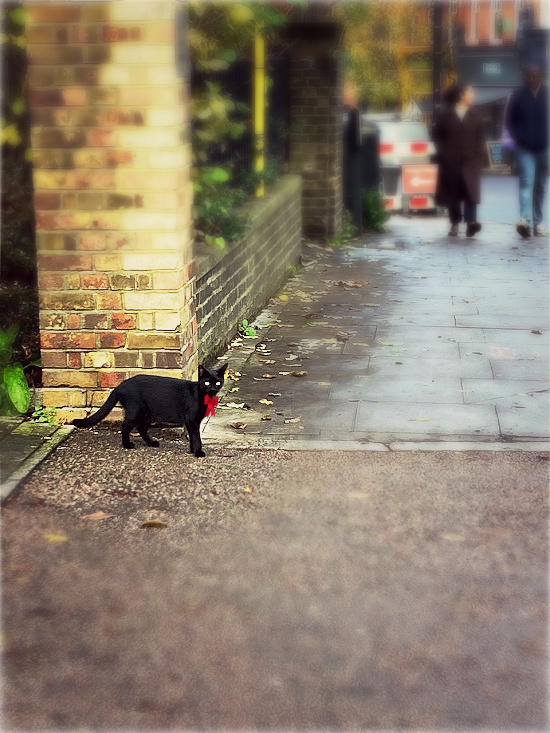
218 384
207 384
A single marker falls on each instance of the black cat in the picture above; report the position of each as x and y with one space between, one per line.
147 399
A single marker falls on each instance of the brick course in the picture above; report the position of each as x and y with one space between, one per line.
112 196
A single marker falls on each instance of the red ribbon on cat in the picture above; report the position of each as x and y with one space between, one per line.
211 403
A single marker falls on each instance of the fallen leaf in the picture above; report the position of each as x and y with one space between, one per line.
234 389
234 405
248 490
96 516
453 537
371 305
292 420
351 283
238 425
273 394
155 523
399 363
263 401
536 330
284 298
266 417
55 539
291 357
285 374
267 361
299 374
268 376
420 419
232 374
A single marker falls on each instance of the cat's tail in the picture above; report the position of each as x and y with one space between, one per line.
104 410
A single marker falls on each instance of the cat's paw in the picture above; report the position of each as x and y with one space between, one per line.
154 444
129 446
200 454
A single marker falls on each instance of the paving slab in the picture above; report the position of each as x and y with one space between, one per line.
408 335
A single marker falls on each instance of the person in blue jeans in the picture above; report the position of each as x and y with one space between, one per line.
527 123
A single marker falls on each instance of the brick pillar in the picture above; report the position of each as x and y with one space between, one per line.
113 201
316 126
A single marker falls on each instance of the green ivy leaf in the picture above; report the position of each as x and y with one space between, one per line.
18 107
211 176
18 16
229 54
8 336
18 389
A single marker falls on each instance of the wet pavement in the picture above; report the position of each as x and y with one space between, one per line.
406 337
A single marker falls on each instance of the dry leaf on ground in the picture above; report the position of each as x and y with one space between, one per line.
351 283
54 538
238 425
154 523
96 516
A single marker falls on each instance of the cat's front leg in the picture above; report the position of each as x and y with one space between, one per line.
195 442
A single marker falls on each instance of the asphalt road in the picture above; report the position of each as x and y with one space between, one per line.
355 591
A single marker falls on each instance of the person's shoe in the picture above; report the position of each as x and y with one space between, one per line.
453 231
540 231
523 229
473 227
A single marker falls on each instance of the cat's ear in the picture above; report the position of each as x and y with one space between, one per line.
202 371
221 370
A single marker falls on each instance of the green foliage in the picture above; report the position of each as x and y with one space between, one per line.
375 215
15 395
14 119
217 217
346 233
246 330
379 37
252 179
221 33
44 415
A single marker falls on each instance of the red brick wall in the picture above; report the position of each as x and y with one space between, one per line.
112 197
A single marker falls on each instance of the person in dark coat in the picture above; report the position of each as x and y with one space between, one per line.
527 123
460 146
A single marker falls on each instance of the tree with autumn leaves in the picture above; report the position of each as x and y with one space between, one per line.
387 54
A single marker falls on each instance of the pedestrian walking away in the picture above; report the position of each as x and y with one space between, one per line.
527 123
460 146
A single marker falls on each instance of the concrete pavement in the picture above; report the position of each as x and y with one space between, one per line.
406 337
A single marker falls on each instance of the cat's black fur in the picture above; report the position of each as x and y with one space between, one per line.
148 399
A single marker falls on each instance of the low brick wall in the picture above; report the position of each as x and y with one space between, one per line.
236 283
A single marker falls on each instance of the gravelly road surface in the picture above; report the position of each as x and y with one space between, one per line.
287 591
